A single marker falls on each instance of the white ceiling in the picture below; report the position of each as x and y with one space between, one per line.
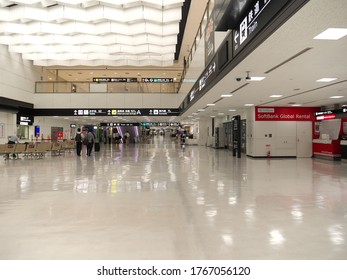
296 79
92 33
82 73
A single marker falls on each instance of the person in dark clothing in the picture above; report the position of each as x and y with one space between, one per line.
90 142
78 140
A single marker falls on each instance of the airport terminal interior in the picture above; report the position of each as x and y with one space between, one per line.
218 127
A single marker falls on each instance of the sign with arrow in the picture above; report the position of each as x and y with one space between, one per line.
255 19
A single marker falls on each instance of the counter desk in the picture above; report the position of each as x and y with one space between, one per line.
329 149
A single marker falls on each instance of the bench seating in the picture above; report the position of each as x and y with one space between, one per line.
36 150
9 150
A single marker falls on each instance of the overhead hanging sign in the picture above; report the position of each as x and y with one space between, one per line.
171 124
114 80
330 114
24 119
107 112
112 124
205 79
256 18
209 35
157 80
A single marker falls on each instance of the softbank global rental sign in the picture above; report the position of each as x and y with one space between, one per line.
285 113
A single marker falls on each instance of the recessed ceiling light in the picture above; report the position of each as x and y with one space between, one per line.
257 79
213 116
332 34
226 95
211 104
296 105
275 95
336 96
249 105
232 110
326 80
221 114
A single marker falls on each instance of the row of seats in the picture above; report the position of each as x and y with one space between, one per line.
36 150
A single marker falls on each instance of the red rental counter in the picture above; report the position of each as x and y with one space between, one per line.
327 148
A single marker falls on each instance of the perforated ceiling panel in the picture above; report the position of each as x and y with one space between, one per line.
92 33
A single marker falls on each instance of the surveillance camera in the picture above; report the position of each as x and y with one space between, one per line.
238 79
248 78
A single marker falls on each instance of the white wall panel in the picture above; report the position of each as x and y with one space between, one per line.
169 100
17 77
60 100
133 100
8 121
283 140
81 101
115 101
94 101
152 101
43 100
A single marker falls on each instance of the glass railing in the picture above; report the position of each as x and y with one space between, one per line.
91 87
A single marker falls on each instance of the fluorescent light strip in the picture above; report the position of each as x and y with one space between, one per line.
332 34
275 96
326 80
336 96
257 79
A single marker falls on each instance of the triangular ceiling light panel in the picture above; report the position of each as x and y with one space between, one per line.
92 33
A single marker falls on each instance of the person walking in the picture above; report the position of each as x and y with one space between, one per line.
127 137
90 142
78 140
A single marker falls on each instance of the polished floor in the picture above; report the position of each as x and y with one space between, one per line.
157 201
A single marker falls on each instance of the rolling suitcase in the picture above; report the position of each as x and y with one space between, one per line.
97 147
